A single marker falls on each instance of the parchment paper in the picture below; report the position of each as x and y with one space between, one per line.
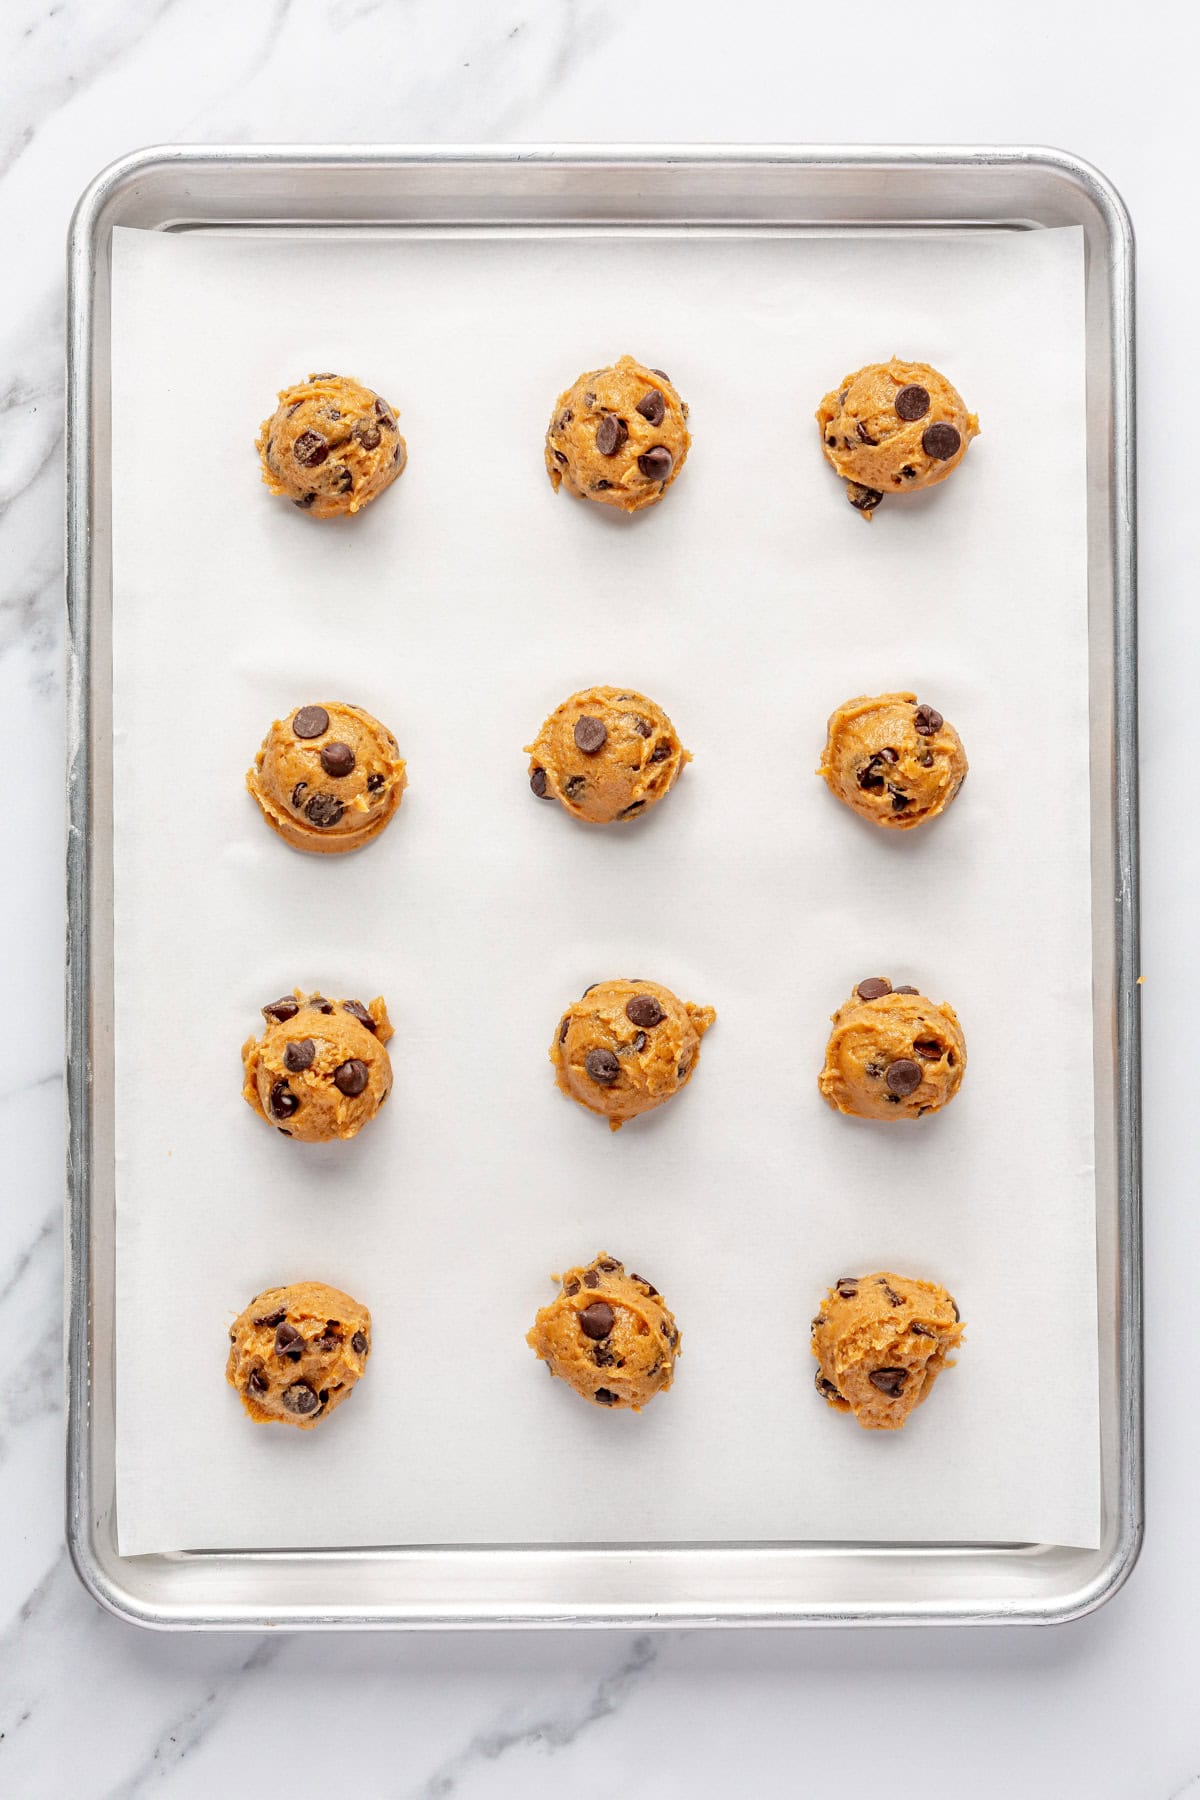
461 608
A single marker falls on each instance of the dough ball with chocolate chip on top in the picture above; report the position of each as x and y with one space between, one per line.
297 1352
331 446
608 1335
892 1054
881 1341
618 436
328 778
892 428
320 1070
893 760
606 755
627 1047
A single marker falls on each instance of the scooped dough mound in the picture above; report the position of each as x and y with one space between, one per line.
892 428
609 1335
606 754
618 436
893 761
319 1071
328 778
892 1054
627 1047
881 1341
296 1353
330 446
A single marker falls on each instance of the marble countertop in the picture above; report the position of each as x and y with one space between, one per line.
1104 1709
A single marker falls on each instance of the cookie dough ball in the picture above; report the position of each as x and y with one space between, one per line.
893 761
296 1353
606 754
892 428
881 1341
892 1054
618 436
609 1335
627 1047
328 777
319 1071
330 446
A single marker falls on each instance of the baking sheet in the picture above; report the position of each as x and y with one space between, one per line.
461 608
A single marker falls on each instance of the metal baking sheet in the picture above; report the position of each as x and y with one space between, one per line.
758 190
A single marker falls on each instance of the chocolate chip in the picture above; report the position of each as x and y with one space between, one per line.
954 1304
912 402
865 435
602 1066
597 1320
599 486
941 441
310 449
873 988
847 1287
921 1330
559 457
304 502
358 1011
663 373
358 1343
891 1382
283 1102
656 464
651 1290
862 499
890 1294
590 735
289 1341
299 1055
644 1010
904 1076
345 480
537 782
611 434
570 1288
293 408
374 783
607 1264
319 1004
280 1011
563 421
299 1399
564 1028
575 786
643 727
899 799
298 793
627 812
929 1048
337 759
908 472
661 750
639 1042
322 378
272 1319
590 1278
257 1383
603 1359
310 722
350 1077
927 720
323 809
826 1388
368 435
907 990
383 415
652 407
606 1397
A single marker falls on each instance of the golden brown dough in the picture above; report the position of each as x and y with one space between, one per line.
606 754
627 1047
330 446
881 1341
609 1335
328 778
319 1071
892 1054
296 1353
892 428
618 436
893 761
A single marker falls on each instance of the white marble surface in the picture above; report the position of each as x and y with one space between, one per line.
1101 1710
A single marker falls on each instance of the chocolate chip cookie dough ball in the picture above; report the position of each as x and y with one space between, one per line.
609 1335
328 777
297 1352
606 754
881 1341
319 1071
330 446
627 1047
893 761
892 428
892 1054
619 436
